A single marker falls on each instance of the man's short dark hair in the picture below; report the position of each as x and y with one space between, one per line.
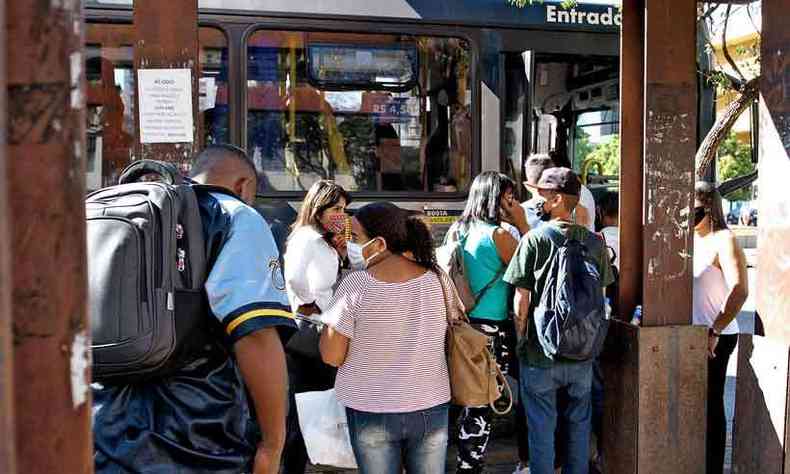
212 155
610 205
536 164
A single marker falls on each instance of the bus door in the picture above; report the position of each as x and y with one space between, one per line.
517 73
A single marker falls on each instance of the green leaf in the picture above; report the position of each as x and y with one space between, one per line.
735 159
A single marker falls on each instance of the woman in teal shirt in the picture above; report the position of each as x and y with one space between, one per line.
488 249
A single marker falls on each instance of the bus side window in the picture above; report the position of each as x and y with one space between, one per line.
361 109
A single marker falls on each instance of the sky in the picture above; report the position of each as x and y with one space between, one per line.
744 19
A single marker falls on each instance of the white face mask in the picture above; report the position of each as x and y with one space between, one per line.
355 256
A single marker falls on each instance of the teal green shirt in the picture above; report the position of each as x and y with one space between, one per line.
483 265
529 270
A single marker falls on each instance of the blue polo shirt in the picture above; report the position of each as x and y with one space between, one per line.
246 288
200 419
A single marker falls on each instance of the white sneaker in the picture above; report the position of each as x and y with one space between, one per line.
521 469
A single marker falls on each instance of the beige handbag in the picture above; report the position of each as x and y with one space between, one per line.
475 377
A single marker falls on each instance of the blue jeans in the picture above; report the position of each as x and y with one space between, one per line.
386 443
539 388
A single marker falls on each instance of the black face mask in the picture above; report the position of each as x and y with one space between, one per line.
540 210
699 215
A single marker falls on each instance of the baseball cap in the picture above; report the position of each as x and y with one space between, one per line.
561 180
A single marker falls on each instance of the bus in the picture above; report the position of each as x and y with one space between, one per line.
398 100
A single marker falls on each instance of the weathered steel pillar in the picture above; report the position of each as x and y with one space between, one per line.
632 87
670 135
762 412
45 155
655 375
162 43
7 455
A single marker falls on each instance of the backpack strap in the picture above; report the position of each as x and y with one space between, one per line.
554 234
140 168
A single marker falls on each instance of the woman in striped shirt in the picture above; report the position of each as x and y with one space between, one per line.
386 333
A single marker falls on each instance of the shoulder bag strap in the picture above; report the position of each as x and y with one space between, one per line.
450 298
479 295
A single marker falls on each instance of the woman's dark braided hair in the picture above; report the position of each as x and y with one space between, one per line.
404 231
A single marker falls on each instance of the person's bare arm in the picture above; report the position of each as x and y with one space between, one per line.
333 346
262 363
733 264
505 244
521 301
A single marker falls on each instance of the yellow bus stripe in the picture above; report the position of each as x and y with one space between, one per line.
257 313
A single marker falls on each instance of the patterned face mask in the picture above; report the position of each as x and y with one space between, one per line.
336 223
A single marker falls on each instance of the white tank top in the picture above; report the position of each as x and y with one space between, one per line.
710 294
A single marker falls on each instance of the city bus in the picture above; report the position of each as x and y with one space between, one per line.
398 100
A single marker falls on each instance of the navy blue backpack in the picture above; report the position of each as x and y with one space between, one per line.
570 317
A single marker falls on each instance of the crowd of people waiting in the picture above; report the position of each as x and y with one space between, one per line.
373 283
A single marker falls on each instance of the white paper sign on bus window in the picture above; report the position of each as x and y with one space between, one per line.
165 105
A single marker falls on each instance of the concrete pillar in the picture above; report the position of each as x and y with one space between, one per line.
45 156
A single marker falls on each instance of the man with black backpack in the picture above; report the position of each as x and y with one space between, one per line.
201 417
560 271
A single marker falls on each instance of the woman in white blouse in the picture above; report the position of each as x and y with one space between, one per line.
315 248
313 257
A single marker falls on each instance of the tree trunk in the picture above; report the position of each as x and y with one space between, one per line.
710 145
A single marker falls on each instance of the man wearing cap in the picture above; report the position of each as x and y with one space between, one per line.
535 166
542 377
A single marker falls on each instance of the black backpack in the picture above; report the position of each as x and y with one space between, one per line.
147 266
569 317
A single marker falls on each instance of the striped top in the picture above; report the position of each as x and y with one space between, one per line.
396 361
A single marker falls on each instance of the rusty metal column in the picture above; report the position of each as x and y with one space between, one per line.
670 142
655 375
631 160
46 146
762 405
7 447
162 43
620 362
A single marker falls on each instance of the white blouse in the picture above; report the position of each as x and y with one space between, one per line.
311 269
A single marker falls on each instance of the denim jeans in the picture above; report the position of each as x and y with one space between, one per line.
386 443
539 388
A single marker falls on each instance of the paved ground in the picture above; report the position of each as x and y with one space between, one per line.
746 323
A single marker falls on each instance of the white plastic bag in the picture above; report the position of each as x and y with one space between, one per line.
325 429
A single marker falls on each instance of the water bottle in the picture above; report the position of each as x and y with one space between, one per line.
636 320
607 309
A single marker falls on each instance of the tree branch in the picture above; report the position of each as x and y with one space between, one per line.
734 184
710 145
724 44
711 10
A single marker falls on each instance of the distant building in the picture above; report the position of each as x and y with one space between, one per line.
744 49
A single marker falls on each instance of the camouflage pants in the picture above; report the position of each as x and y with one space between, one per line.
475 422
